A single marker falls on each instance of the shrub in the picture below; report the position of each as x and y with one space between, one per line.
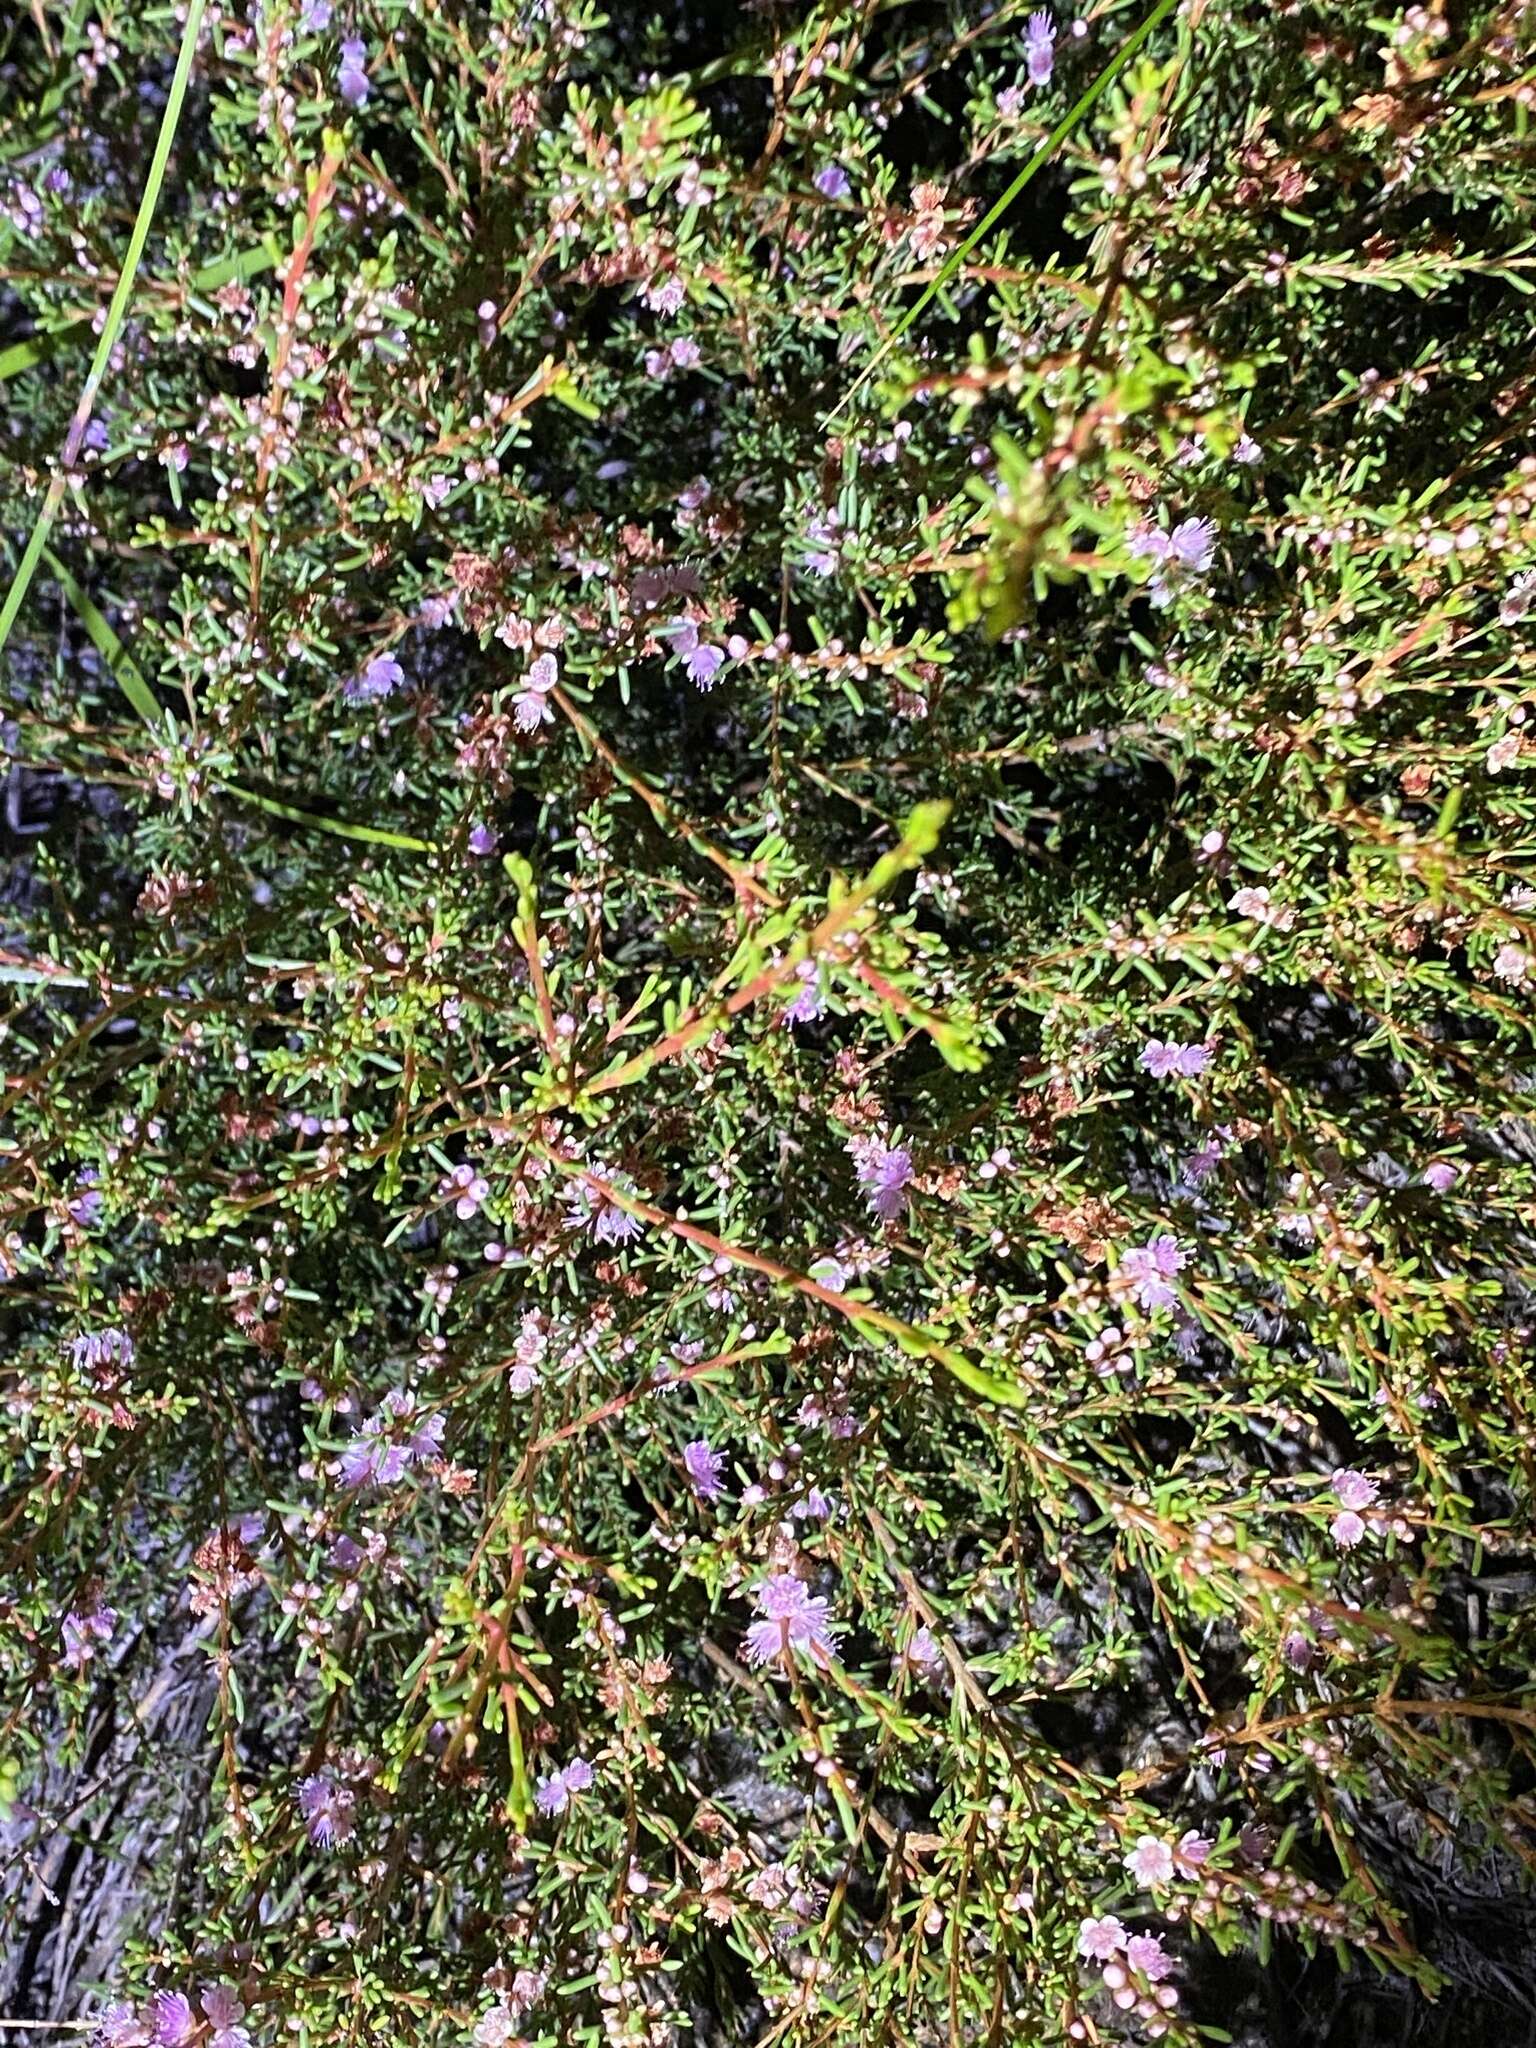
768 1204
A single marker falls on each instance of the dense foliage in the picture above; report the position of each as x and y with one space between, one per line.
766 1185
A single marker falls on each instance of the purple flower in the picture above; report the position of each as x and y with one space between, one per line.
119 2026
832 1274
85 1206
171 2019
1145 1952
824 551
554 1793
1147 1270
382 674
613 1225
467 1188
808 1002
316 17
832 182
224 2012
1354 1490
1441 1175
351 78
1193 544
327 1809
1186 552
1162 1057
791 1621
665 295
530 710
608 1223
482 841
922 1656
1346 1529
1147 543
82 1630
390 1443
704 664
1040 47
883 1173
1206 1157
683 634
102 1351
704 1467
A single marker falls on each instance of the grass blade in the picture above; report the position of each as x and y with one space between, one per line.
341 828
16 595
130 677
131 681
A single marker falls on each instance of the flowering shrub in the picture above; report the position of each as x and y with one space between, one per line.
767 1201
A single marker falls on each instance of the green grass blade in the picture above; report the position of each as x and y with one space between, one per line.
340 828
130 678
132 683
1042 155
114 320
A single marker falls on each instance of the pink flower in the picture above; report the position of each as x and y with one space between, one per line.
1346 1529
1145 1952
1150 1862
791 1621
530 711
1441 1175
1354 1490
1147 1269
1101 1939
